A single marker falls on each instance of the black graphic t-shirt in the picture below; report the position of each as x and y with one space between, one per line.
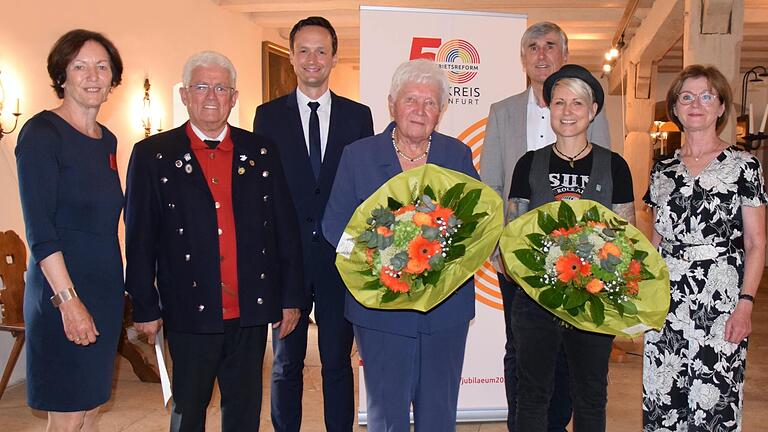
568 183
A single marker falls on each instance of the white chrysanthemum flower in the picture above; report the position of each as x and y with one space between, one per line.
703 395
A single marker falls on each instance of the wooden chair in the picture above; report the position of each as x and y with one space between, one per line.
13 264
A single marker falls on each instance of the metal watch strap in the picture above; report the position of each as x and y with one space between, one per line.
63 296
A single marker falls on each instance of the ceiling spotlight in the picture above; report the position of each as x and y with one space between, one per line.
608 56
614 52
606 67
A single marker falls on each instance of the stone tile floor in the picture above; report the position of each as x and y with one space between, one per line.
137 406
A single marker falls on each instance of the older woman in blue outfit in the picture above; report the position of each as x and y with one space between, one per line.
410 358
71 198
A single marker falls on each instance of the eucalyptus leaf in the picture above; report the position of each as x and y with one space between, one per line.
429 233
399 260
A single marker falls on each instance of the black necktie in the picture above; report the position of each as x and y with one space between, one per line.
212 144
314 138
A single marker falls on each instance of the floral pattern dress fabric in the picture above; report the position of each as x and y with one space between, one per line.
693 380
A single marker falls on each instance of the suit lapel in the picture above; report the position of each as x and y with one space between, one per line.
333 145
386 153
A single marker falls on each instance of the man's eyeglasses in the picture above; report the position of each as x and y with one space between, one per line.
705 98
218 89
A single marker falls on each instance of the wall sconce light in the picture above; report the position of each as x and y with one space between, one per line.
746 132
660 134
16 114
146 110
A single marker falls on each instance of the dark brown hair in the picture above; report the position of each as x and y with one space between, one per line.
716 82
66 48
315 21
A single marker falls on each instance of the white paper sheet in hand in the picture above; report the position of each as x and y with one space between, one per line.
165 382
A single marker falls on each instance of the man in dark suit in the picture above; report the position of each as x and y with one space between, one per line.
311 126
209 217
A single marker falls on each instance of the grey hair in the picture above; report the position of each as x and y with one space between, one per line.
541 29
208 58
581 89
420 71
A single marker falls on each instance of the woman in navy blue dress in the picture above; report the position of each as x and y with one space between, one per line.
71 198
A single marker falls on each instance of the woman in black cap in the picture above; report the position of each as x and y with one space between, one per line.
569 169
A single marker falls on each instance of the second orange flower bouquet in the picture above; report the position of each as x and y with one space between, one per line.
591 269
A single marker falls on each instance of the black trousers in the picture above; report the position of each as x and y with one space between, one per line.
235 358
539 338
559 411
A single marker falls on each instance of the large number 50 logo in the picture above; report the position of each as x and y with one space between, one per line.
457 57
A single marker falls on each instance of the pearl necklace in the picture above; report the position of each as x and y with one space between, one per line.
406 157
571 159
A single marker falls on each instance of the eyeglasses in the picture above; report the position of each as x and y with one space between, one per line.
202 89
705 98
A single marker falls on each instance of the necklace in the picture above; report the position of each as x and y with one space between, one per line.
406 157
571 159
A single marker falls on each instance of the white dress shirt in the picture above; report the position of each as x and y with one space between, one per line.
323 114
204 137
540 133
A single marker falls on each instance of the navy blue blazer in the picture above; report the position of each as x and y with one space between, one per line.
172 238
366 165
280 121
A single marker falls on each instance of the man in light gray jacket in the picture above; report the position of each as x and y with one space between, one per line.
515 125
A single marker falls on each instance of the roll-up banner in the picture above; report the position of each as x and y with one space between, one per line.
480 53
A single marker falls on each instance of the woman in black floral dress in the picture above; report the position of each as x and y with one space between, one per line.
709 211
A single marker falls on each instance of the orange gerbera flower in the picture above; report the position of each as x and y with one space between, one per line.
634 268
421 250
565 232
609 249
382 230
404 209
441 214
394 283
420 219
569 267
595 286
632 287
